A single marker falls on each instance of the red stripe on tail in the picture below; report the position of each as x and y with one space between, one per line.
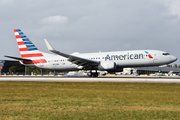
32 55
20 43
23 49
18 36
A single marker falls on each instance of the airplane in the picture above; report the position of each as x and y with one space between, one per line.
99 61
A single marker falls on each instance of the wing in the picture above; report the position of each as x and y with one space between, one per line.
86 63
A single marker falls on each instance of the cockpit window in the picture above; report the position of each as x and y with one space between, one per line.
166 54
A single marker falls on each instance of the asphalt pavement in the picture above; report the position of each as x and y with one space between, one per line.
92 79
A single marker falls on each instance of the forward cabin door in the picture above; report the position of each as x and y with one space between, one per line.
148 59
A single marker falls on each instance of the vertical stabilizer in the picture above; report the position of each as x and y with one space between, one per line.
28 49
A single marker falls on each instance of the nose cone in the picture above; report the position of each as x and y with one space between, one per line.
173 58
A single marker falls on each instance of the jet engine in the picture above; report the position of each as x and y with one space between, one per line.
107 65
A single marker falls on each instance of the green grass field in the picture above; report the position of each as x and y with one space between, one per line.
79 101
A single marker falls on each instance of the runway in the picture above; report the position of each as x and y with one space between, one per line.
99 79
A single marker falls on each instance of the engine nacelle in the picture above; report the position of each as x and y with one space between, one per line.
107 65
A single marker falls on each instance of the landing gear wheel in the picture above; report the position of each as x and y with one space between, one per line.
90 74
95 74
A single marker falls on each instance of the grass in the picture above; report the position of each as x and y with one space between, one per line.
84 101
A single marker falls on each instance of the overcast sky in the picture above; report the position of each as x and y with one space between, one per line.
91 25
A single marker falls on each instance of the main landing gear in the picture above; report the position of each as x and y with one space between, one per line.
93 74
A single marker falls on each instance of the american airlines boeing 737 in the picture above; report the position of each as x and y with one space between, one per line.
102 61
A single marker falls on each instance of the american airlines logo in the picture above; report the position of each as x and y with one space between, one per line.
127 56
124 57
149 55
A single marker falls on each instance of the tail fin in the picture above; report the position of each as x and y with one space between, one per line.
27 48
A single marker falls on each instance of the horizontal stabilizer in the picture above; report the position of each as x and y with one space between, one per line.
16 58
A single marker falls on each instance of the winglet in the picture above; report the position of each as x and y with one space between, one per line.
50 48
